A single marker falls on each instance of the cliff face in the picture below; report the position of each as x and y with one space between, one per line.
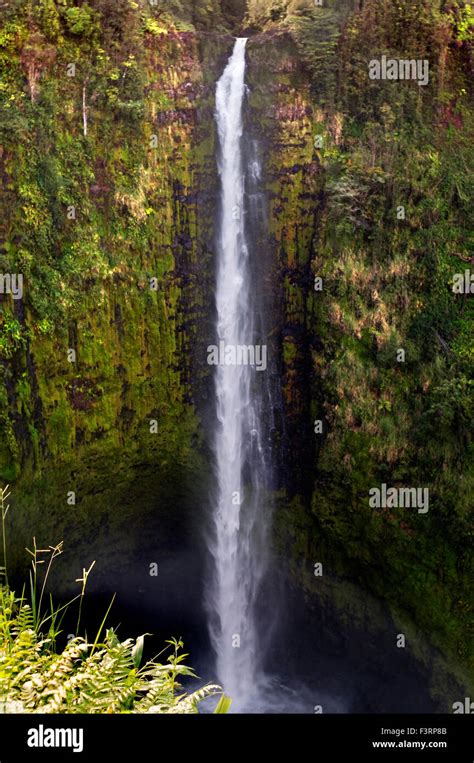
110 224
374 354
348 287
108 161
386 332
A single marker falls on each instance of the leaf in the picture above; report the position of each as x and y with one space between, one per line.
223 705
137 651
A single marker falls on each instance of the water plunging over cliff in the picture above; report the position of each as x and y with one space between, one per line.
238 544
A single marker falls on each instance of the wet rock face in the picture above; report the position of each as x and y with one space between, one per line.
280 115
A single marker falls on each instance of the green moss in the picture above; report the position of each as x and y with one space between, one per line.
85 425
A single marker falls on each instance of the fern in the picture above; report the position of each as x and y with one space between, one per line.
98 677
86 678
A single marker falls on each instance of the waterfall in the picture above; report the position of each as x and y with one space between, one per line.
238 541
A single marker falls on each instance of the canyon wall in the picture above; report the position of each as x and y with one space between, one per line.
107 158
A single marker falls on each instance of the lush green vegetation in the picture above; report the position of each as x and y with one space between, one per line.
102 677
388 284
89 213
392 190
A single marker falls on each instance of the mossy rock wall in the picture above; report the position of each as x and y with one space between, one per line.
113 232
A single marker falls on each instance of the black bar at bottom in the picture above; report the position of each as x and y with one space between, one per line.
172 737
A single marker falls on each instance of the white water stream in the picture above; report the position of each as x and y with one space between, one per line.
238 542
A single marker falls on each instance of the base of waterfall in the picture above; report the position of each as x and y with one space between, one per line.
282 695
